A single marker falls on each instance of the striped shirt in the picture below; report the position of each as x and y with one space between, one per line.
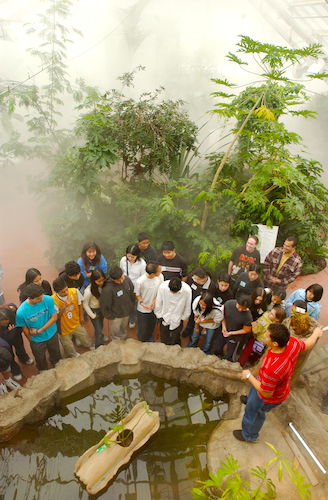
276 371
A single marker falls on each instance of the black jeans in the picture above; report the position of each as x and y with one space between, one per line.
233 343
146 325
170 337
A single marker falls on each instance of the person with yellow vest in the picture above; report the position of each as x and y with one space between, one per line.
70 316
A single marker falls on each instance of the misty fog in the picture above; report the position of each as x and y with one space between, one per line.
181 43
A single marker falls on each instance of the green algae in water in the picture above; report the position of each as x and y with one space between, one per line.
38 464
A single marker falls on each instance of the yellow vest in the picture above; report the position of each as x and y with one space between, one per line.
70 319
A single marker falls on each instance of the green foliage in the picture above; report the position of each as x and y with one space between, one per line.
228 484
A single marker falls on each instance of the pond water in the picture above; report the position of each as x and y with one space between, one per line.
38 464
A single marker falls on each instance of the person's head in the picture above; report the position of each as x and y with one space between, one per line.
90 251
97 280
153 269
33 276
200 275
277 335
224 281
254 272
251 243
298 307
168 250
34 293
313 293
116 274
7 316
72 270
175 285
278 296
133 253
60 287
290 244
244 302
258 296
206 303
143 241
277 314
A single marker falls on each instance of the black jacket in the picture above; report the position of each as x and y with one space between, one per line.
117 300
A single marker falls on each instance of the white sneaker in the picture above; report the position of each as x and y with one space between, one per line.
18 377
11 384
78 343
76 355
30 361
132 325
105 339
92 347
3 389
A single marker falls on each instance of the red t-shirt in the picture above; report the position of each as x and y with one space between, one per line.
276 371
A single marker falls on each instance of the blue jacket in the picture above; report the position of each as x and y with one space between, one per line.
102 265
313 308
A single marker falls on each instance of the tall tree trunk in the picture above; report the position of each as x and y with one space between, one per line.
220 167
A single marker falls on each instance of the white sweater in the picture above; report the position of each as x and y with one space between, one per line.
173 307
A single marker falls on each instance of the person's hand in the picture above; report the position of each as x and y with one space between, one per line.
318 331
152 305
254 323
148 308
33 331
273 279
82 321
244 373
67 301
225 333
10 327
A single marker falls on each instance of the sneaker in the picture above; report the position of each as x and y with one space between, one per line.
18 377
105 339
239 435
243 399
132 325
76 355
11 384
78 343
92 347
3 389
30 361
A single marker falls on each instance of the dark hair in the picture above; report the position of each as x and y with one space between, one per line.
115 273
317 291
200 272
59 284
258 292
300 303
151 267
175 284
84 257
293 240
280 293
255 238
30 276
143 236
72 268
7 314
280 313
244 300
168 245
256 268
32 291
208 299
95 275
279 333
225 277
134 250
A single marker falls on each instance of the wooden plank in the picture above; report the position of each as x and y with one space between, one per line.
307 469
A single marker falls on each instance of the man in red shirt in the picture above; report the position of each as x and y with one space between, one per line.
272 385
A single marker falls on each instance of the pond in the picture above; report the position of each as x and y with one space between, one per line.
38 464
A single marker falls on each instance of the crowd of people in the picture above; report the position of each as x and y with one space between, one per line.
239 317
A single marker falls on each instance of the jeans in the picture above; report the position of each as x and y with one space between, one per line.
208 339
254 416
98 326
146 325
